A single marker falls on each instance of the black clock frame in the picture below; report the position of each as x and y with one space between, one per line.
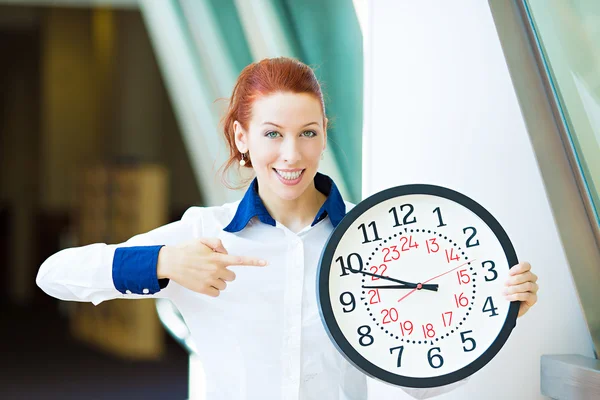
323 299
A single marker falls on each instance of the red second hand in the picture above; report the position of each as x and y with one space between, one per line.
435 277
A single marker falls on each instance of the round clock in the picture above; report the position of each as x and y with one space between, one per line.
410 286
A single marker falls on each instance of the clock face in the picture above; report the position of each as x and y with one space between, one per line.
410 286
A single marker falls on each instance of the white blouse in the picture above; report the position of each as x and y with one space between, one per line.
262 338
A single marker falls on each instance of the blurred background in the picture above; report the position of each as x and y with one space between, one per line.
109 126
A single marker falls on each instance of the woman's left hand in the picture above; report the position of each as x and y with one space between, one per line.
522 286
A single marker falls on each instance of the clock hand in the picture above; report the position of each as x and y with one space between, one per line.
447 272
406 295
435 277
411 286
381 276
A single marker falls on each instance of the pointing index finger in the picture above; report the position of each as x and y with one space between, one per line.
228 259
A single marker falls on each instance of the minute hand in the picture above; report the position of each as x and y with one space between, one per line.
434 286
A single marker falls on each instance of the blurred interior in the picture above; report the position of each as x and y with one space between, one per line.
107 114
82 92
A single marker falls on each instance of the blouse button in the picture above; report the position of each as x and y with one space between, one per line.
146 291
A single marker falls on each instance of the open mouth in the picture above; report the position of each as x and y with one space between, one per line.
289 177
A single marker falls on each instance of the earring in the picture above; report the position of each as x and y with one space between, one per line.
242 161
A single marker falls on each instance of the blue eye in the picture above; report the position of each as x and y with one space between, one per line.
313 133
268 134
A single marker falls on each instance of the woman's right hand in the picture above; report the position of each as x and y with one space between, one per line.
201 265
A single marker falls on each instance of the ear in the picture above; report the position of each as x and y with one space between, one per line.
241 138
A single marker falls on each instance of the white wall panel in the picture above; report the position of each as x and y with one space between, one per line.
440 108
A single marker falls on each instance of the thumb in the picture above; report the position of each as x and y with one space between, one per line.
214 243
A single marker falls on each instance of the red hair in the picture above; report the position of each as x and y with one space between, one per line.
259 79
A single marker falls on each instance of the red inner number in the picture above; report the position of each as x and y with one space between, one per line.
447 320
383 268
406 326
428 331
393 249
461 300
407 243
450 256
391 315
463 277
374 296
430 249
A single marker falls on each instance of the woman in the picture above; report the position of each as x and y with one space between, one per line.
244 277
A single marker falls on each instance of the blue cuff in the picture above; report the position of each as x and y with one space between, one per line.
134 270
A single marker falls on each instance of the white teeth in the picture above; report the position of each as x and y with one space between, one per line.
289 175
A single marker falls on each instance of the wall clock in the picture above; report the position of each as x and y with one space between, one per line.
410 284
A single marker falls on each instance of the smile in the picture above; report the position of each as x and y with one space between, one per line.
289 177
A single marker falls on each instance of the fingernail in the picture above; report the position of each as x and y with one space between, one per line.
262 262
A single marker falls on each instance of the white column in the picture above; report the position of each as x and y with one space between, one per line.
441 108
197 379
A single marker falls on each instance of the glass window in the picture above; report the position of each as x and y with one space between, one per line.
568 33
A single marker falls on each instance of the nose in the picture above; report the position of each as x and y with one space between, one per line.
290 151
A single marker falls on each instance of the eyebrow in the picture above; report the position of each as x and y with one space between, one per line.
279 126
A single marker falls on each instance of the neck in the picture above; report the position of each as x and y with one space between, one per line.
297 213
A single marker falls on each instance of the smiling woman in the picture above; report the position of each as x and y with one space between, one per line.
285 155
270 76
276 125
243 274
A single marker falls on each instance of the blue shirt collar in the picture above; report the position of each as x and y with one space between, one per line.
252 206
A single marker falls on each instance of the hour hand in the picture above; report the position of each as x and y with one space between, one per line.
411 286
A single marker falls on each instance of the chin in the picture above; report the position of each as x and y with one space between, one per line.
290 194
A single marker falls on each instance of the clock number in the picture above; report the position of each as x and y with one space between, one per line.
385 258
406 326
391 315
428 331
400 350
405 219
374 278
463 277
461 300
364 231
469 244
450 256
345 269
352 302
362 340
491 308
449 318
491 269
408 242
439 213
375 296
466 339
435 356
430 248
393 211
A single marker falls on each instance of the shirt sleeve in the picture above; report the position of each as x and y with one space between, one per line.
100 272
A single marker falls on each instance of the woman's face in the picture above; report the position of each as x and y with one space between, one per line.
285 139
